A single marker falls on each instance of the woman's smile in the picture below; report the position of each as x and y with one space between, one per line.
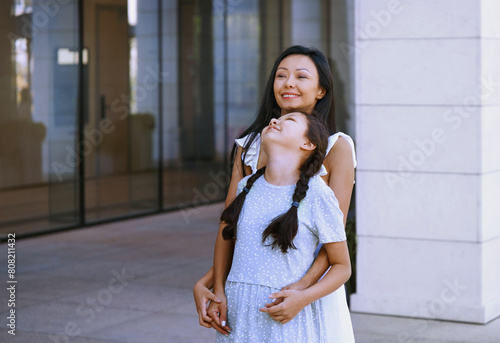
290 95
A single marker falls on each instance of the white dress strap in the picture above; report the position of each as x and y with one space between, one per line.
252 154
331 142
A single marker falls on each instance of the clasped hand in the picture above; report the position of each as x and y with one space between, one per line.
289 301
287 305
217 311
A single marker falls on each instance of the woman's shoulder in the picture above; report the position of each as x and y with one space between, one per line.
340 147
251 155
243 140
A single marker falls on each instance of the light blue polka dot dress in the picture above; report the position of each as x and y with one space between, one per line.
258 270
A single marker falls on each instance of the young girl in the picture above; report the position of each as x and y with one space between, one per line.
272 229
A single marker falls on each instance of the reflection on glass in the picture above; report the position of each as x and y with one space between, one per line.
28 83
121 173
202 87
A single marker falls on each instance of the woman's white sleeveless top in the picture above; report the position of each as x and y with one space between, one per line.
252 154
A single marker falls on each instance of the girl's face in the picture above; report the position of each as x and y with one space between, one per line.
296 84
288 130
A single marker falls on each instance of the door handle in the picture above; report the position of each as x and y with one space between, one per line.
103 106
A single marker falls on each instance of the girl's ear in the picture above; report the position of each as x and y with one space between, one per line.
307 145
321 93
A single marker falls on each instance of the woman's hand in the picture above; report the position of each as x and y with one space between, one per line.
218 314
288 304
202 296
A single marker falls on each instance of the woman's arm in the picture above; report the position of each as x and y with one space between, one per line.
223 256
340 178
202 295
340 166
201 290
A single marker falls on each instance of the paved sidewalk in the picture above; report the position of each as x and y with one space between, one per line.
131 281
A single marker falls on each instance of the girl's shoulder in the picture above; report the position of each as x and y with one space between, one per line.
318 189
324 211
242 183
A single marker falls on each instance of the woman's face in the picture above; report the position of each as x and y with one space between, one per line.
296 84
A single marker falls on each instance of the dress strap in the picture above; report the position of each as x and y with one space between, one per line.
252 154
333 139
331 142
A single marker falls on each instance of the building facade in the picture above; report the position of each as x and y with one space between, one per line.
428 178
119 108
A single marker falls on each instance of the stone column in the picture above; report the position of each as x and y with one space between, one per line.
428 177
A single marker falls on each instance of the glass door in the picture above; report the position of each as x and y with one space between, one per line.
121 165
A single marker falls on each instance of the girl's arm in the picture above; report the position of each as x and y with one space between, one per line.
340 166
295 300
201 290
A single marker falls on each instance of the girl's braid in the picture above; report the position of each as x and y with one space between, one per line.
231 214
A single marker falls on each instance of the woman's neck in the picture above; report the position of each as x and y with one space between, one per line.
291 110
282 169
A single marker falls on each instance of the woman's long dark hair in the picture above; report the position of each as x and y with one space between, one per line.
283 229
325 107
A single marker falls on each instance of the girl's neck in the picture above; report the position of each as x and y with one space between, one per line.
282 170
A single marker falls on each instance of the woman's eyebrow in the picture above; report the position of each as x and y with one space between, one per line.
303 69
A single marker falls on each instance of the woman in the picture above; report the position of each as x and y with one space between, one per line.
300 80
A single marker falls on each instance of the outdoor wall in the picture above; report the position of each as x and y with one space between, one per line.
428 177
326 25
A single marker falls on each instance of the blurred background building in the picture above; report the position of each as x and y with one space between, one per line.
116 108
145 119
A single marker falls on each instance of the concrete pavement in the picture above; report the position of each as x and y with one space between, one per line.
131 281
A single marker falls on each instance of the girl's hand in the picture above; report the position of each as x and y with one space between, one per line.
298 286
218 314
291 304
202 296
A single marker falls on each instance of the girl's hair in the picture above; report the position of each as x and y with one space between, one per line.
283 228
325 107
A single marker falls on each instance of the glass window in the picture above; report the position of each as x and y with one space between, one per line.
38 92
121 165
138 117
